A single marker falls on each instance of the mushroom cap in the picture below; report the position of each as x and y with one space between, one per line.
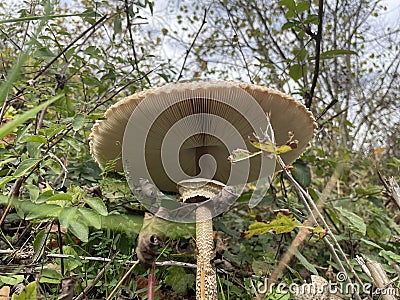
176 104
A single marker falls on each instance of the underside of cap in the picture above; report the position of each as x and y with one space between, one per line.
286 114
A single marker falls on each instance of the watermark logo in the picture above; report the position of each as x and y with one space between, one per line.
320 286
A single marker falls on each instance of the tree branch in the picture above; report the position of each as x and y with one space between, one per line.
193 42
318 39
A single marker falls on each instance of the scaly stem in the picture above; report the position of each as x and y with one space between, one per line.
206 278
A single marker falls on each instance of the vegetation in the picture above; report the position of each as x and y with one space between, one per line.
64 222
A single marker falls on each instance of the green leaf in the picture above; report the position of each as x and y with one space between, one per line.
336 53
50 276
9 127
306 263
303 6
39 240
36 139
241 154
26 166
281 224
390 256
40 211
98 205
80 230
4 180
27 293
60 196
12 279
67 215
69 263
78 122
117 24
302 173
296 71
352 221
91 217
290 4
179 280
47 17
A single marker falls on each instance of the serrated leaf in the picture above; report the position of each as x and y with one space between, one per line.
336 53
91 217
28 292
296 71
26 166
281 224
98 205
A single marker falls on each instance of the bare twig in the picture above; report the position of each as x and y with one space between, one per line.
13 194
129 25
95 280
318 39
120 89
194 41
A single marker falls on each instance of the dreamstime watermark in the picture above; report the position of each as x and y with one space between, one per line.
320 287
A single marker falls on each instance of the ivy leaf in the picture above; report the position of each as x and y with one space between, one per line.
282 224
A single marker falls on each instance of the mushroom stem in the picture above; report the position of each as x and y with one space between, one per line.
206 278
197 190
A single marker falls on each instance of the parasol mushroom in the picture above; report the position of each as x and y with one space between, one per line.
177 138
